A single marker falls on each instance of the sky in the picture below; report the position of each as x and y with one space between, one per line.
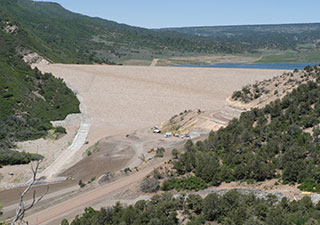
181 13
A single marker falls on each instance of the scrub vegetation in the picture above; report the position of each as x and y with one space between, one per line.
29 100
265 143
231 208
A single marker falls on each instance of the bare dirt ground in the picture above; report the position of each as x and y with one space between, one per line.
49 147
121 99
290 191
115 153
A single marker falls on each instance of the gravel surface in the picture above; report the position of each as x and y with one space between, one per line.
122 99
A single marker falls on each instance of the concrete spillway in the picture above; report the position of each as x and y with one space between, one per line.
65 159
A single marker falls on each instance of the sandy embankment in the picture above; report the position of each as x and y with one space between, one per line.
122 99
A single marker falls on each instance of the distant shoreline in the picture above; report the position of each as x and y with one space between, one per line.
285 66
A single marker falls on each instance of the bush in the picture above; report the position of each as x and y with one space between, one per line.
236 95
310 186
308 68
194 202
149 185
60 130
190 183
64 222
92 180
160 152
81 184
127 170
89 153
157 174
175 154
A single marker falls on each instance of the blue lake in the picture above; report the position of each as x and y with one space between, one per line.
279 66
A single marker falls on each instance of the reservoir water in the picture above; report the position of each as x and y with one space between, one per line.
280 66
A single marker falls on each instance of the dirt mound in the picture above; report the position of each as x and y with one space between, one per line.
190 121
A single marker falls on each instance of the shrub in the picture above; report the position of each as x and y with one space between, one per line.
149 185
310 186
157 174
127 170
236 95
160 152
175 154
194 202
81 184
60 130
64 222
308 68
190 183
92 180
89 153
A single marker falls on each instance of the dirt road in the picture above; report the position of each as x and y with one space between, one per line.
86 199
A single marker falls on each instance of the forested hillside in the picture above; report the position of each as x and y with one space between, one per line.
280 140
282 36
67 37
29 100
73 38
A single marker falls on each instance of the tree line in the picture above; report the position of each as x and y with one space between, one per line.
230 208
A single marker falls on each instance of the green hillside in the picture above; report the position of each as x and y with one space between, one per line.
73 38
279 141
282 36
29 100
67 37
271 43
